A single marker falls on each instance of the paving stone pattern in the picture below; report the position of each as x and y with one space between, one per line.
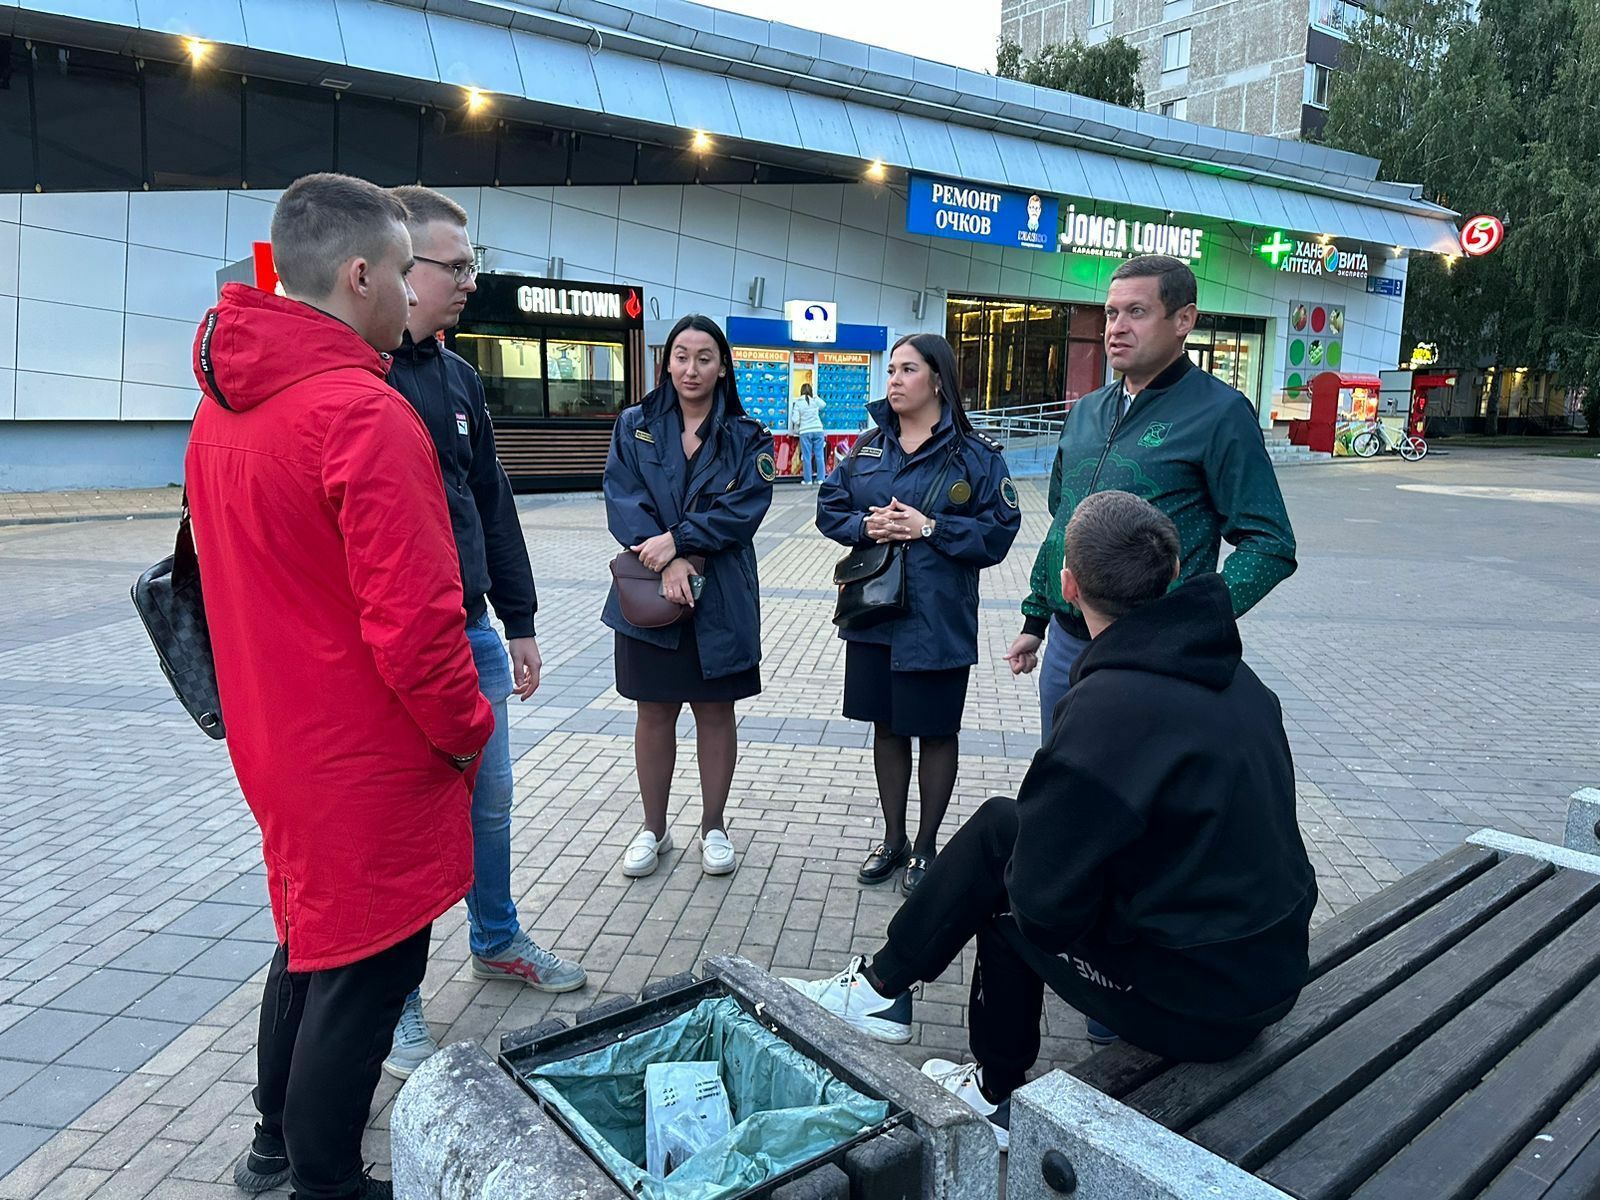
1434 655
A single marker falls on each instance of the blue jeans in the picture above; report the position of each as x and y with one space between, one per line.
491 916
1061 651
813 457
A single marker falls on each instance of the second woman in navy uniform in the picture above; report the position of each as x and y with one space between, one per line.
690 474
909 676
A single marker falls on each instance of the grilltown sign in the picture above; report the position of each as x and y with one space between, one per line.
573 302
1117 237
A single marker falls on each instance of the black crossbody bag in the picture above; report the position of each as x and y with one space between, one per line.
168 600
872 579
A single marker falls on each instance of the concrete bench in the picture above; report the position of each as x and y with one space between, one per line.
1446 1048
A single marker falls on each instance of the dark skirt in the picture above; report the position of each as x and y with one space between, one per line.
655 675
910 703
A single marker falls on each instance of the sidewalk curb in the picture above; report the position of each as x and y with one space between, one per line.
77 518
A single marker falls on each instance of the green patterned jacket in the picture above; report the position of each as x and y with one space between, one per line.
1191 445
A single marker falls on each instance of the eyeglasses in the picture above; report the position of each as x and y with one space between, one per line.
464 272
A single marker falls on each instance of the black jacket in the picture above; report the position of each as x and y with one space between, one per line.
448 395
1156 828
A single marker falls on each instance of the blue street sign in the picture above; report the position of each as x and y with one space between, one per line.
976 212
1379 286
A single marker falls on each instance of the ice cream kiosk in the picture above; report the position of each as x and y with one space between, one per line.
1339 403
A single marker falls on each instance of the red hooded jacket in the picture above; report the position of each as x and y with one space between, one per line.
334 601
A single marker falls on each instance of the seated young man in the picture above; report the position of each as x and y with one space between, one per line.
1150 870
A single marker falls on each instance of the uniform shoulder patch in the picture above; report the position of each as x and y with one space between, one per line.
1008 492
987 442
766 466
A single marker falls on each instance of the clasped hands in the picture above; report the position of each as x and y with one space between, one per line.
660 553
894 522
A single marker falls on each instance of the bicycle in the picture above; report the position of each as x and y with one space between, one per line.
1376 437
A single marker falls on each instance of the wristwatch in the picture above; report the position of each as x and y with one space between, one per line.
927 529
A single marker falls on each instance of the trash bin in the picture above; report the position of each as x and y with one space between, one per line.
792 1110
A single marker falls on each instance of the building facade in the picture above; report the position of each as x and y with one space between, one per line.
1258 66
781 181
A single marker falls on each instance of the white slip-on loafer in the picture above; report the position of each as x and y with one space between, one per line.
644 853
716 854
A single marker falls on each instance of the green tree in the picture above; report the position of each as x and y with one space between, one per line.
1108 71
1492 111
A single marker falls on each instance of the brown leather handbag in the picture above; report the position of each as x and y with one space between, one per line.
639 592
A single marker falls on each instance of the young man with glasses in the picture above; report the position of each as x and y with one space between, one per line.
448 395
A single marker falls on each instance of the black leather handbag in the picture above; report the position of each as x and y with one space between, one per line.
168 600
872 579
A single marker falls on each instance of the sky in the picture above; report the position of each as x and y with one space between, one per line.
962 32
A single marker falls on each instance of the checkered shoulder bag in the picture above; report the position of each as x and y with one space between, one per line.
168 600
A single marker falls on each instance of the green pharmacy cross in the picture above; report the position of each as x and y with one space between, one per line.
1276 249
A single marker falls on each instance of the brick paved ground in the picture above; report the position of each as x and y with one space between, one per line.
40 508
1434 655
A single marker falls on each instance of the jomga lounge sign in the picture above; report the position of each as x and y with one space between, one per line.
1087 232
1298 256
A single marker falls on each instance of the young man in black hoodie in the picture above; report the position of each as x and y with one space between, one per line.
1150 870
448 396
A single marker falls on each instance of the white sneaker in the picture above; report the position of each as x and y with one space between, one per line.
644 853
716 854
850 996
961 1079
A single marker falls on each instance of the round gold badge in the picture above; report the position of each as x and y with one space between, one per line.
960 492
768 468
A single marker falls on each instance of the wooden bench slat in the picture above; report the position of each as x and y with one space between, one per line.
1191 1091
1359 926
1572 1134
1120 1069
1336 1155
1580 1181
1281 1107
1457 1157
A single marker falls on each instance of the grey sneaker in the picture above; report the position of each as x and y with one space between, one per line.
524 961
413 1041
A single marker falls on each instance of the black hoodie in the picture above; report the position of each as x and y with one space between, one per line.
1156 829
448 396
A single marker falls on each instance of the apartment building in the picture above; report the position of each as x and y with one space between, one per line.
1258 66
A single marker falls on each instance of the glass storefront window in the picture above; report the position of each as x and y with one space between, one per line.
458 147
512 369
1231 349
193 127
16 117
585 377
576 375
1042 358
86 106
1011 353
288 132
379 140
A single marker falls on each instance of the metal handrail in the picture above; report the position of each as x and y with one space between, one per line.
1023 420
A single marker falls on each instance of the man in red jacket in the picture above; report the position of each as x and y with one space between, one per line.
354 715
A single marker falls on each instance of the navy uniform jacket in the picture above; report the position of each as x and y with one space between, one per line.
715 512
974 527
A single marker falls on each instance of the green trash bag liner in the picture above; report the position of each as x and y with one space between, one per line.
787 1109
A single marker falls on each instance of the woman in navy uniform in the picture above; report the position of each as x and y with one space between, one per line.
690 474
909 676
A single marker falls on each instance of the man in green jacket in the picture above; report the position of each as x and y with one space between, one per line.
1172 434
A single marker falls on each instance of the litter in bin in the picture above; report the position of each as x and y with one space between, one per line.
685 1110
787 1109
